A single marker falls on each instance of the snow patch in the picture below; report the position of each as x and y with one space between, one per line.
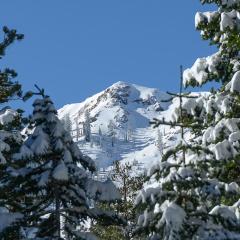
60 172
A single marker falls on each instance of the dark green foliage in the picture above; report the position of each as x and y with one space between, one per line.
128 185
8 88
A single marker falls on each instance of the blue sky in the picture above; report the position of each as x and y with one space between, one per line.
77 48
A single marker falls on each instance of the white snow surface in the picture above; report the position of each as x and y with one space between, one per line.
235 82
198 73
7 116
229 20
60 172
103 191
205 17
173 216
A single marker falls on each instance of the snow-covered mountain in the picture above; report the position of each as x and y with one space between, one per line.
128 108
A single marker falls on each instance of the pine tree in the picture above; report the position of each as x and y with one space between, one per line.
159 142
78 134
112 131
164 204
100 136
10 139
198 184
67 123
129 132
87 126
8 88
128 184
56 183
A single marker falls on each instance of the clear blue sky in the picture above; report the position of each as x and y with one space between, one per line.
77 48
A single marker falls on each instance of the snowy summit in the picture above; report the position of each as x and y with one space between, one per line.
119 121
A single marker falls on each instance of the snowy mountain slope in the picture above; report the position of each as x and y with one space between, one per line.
129 108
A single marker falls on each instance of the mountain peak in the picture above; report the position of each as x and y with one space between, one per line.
122 94
129 107
134 91
120 83
123 84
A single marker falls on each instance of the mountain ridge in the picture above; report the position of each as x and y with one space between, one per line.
130 108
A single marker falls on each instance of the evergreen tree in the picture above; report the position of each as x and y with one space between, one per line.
100 136
78 134
87 126
9 89
198 185
67 123
10 139
112 131
159 142
129 132
128 184
56 183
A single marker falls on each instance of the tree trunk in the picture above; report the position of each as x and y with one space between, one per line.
58 217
